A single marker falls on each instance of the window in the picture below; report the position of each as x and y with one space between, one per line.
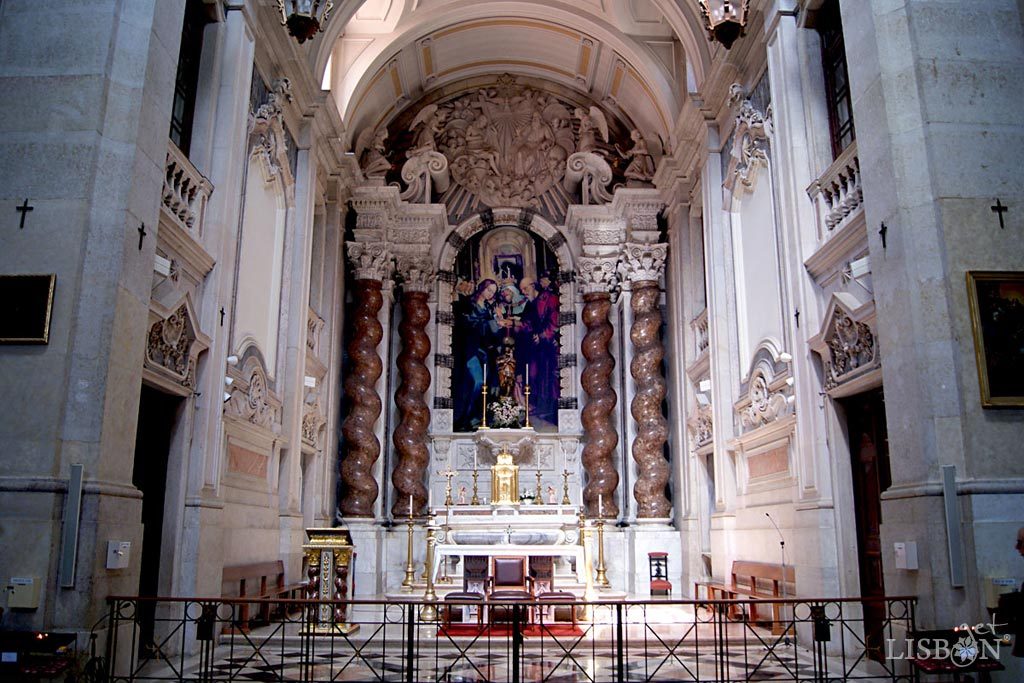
186 81
837 85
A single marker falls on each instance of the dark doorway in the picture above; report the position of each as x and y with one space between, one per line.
158 413
869 452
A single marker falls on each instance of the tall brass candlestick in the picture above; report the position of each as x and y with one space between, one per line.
565 488
602 577
410 570
527 406
538 499
475 500
483 424
428 613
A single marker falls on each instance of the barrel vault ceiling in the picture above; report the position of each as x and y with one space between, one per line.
381 57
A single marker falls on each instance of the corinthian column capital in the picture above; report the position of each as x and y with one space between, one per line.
597 274
644 262
416 271
370 260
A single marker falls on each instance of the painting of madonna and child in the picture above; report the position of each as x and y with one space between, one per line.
506 332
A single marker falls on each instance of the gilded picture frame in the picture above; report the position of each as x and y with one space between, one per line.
26 305
996 300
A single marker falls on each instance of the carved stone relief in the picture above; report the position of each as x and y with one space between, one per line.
702 426
507 144
851 349
750 141
465 456
171 347
251 399
767 401
266 130
313 420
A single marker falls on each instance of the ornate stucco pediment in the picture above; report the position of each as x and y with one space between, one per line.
847 344
252 399
768 394
172 347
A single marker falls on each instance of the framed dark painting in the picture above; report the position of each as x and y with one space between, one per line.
997 318
26 302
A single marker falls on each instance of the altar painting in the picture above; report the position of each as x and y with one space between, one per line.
505 308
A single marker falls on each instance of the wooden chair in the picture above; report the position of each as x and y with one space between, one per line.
474 584
510 583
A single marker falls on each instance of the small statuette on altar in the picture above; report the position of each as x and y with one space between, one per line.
462 495
551 495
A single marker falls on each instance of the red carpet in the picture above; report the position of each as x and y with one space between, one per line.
505 631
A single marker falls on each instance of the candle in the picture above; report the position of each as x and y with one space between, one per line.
410 505
600 505
527 374
485 374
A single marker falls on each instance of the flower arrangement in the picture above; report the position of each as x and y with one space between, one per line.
527 496
506 413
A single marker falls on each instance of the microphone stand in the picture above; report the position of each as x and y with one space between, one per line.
782 550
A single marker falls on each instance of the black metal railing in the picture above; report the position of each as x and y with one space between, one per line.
387 640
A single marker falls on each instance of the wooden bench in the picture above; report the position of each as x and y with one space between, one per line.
259 581
753 580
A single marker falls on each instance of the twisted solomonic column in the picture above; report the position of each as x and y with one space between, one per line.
361 445
599 435
643 265
410 437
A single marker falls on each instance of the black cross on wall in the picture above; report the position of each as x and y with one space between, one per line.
998 209
25 208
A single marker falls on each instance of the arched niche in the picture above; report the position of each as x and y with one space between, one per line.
496 230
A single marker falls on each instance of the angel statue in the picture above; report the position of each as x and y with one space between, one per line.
429 122
591 123
641 165
374 161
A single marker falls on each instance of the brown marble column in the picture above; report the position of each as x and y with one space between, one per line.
410 436
599 435
361 446
643 265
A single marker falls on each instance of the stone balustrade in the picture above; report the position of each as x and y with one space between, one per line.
837 194
699 325
185 192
